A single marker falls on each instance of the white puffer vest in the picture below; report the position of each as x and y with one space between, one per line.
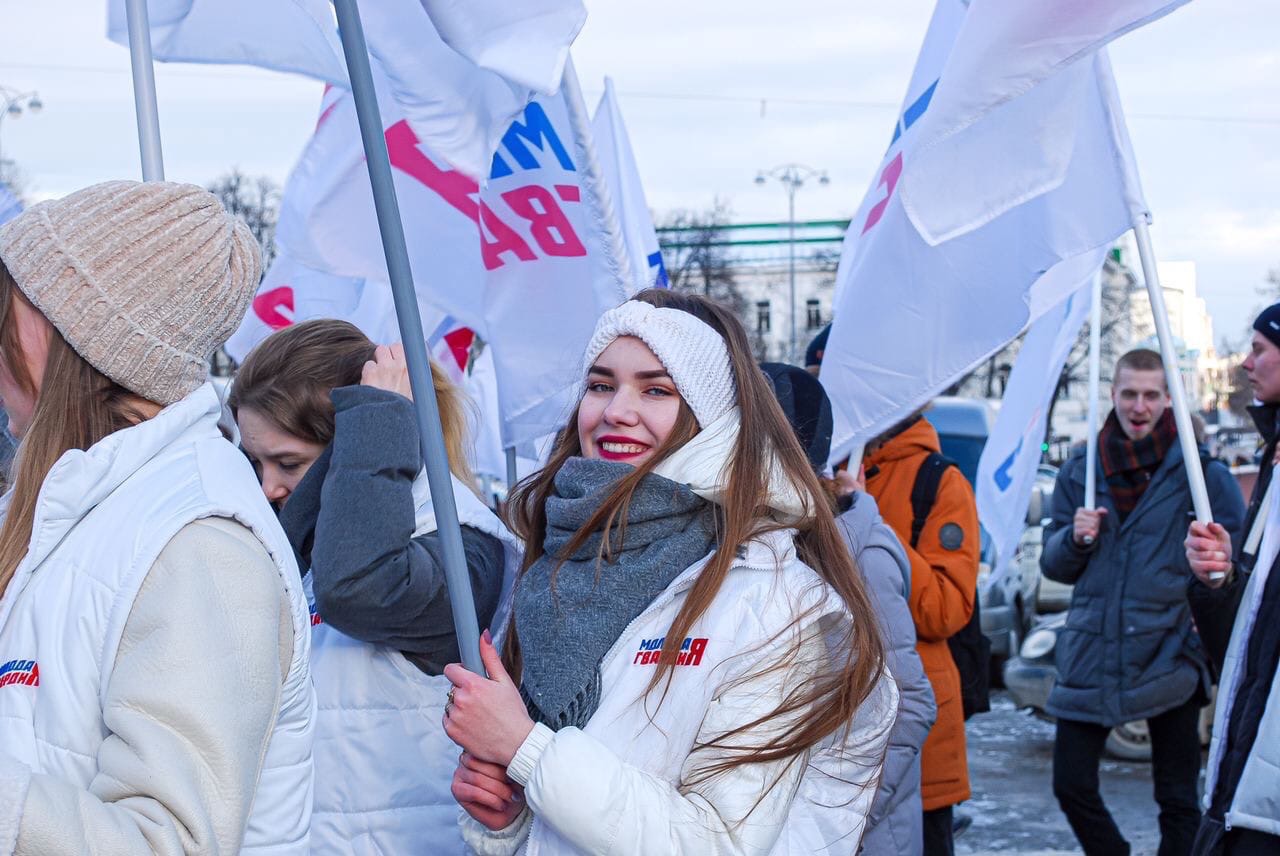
1257 800
384 765
103 518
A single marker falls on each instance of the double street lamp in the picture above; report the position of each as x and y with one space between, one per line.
793 176
14 103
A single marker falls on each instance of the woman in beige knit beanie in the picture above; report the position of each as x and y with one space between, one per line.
154 693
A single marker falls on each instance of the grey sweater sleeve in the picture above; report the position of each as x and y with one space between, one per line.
372 579
189 709
884 566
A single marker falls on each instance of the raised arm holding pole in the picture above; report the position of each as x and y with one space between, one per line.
415 347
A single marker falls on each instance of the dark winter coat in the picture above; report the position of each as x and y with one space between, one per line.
1252 672
350 520
1129 650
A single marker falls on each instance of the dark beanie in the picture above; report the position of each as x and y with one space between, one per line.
813 353
807 407
1268 324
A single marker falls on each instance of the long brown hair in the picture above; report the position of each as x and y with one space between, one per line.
821 704
76 407
287 379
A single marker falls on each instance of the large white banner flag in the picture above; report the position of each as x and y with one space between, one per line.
996 174
521 261
1007 468
622 176
299 36
460 71
291 292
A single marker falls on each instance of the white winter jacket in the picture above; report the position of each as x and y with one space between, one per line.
1257 799
617 785
384 766
103 518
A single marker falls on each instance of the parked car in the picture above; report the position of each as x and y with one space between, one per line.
1007 603
1030 677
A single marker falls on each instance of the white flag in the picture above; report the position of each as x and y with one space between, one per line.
299 36
460 72
520 261
943 263
618 164
1007 468
291 292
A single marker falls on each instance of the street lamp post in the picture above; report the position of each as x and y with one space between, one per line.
14 102
793 176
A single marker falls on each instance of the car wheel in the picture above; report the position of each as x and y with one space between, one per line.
1130 741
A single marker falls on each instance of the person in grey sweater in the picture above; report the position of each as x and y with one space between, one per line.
894 825
325 417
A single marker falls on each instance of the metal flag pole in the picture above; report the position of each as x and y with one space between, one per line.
1181 410
415 346
144 90
511 468
1095 371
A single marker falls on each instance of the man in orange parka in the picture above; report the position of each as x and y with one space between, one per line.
944 579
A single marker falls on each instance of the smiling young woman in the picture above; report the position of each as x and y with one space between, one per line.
693 664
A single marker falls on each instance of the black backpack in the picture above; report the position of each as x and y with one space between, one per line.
970 648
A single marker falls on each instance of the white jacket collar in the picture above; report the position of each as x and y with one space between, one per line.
80 479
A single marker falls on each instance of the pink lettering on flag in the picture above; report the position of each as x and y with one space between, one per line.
268 305
888 180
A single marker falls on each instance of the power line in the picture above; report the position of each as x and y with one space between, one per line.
763 101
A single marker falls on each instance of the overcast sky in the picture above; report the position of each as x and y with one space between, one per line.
713 91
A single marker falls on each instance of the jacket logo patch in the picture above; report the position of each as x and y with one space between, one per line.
22 672
315 616
650 652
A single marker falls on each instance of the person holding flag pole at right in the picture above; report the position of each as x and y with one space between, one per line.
1235 598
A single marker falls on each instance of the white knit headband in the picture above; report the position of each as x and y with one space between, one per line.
692 352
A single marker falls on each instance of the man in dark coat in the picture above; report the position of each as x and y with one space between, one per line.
1129 650
1237 607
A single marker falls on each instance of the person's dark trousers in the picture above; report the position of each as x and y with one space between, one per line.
1175 773
938 836
1175 769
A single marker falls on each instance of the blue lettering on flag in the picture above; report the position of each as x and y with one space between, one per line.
655 260
537 130
1001 476
914 112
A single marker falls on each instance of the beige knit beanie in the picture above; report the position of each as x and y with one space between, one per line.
144 281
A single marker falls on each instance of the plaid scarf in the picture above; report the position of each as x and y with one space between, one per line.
1128 465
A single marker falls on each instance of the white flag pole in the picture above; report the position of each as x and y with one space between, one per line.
1181 410
144 90
1095 363
1254 541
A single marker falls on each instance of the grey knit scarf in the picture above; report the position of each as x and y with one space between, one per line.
564 633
